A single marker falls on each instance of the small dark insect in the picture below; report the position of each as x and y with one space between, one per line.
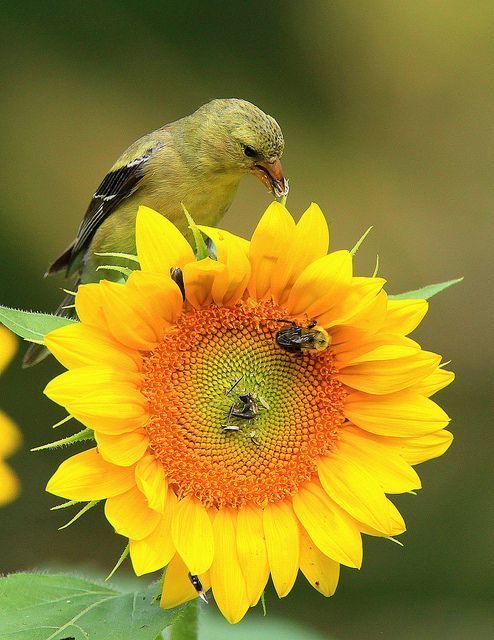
177 276
69 638
245 408
296 338
230 427
237 381
197 584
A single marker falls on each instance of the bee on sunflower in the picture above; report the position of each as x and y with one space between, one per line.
320 432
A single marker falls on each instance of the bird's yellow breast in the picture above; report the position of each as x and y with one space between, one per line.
206 201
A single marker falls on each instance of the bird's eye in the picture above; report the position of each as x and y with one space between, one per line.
250 152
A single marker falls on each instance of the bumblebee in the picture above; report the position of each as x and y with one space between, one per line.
296 338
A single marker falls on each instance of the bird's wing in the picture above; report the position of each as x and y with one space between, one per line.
118 184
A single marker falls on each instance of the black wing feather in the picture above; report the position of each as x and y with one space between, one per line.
115 187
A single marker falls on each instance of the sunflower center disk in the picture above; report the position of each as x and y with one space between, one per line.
235 419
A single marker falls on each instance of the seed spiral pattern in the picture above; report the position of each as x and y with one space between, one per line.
188 384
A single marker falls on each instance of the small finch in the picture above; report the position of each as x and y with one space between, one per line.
198 160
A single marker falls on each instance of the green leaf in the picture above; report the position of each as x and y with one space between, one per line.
425 292
212 627
376 268
54 607
30 325
80 436
357 245
117 254
64 505
201 247
62 421
119 562
125 271
79 514
186 625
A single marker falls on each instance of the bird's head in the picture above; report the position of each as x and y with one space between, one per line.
237 137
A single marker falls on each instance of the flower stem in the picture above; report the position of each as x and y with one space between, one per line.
186 626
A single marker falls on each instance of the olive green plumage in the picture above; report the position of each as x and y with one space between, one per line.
198 160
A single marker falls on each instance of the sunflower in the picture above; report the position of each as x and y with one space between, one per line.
9 434
251 412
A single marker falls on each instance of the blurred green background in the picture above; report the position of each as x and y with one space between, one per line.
387 109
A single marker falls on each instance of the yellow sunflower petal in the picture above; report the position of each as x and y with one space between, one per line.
353 302
329 527
230 283
123 449
321 572
130 515
157 549
87 476
192 535
177 588
388 376
10 436
439 379
98 400
79 345
433 445
397 524
372 348
150 479
89 305
269 240
68 385
9 484
308 242
370 319
99 412
402 414
8 347
384 463
160 296
343 337
282 544
160 245
320 285
403 316
355 490
251 550
129 317
244 245
227 580
199 278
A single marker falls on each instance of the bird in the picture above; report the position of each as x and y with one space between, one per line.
196 162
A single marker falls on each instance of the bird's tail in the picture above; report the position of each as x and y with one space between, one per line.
62 263
38 352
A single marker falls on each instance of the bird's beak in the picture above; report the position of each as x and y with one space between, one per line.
271 175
